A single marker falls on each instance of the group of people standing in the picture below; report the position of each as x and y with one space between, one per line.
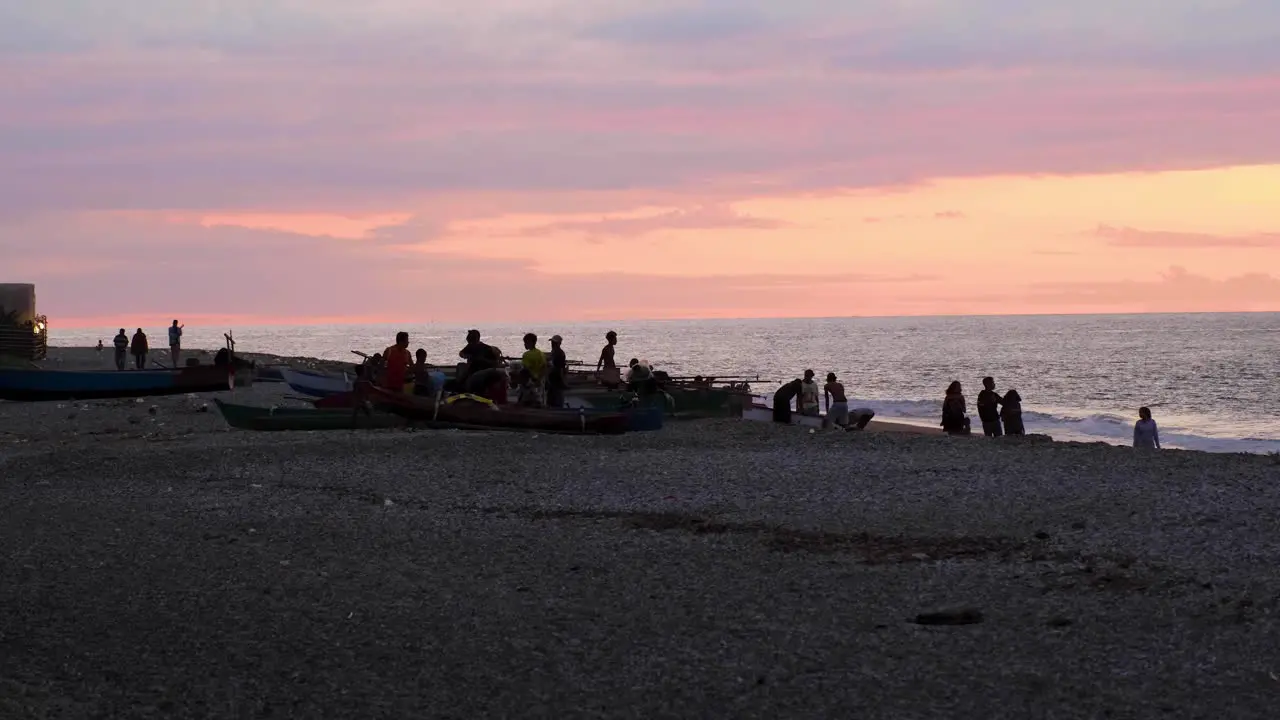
139 347
540 377
806 395
999 414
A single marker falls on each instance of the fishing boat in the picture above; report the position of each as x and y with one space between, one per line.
246 417
30 385
473 411
858 417
315 384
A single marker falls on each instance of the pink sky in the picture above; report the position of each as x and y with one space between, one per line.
264 160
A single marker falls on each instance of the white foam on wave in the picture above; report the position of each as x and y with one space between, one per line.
1113 428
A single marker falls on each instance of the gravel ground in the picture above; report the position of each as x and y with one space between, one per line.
161 565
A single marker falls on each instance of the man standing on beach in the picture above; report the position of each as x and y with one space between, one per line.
398 364
139 347
175 341
988 412
558 380
121 343
837 403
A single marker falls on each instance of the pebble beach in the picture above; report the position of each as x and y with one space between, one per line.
157 564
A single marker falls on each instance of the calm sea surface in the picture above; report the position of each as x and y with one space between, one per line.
1212 380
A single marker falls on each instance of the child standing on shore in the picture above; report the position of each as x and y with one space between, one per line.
1145 433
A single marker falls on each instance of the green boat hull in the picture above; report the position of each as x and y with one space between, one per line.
246 417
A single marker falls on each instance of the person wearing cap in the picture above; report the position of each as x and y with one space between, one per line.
558 380
808 403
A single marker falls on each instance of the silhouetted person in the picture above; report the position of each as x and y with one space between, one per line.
988 408
837 403
422 382
1145 433
955 419
175 342
1011 414
607 365
121 343
398 363
138 346
808 404
478 355
558 379
782 400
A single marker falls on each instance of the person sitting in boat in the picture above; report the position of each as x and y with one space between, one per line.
490 383
533 373
640 378
423 383
808 403
399 364
479 356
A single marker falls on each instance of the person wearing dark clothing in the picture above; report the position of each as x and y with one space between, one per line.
478 355
988 408
139 349
558 380
422 383
121 343
489 383
955 420
1011 414
782 400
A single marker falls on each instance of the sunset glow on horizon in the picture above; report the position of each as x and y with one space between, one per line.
576 161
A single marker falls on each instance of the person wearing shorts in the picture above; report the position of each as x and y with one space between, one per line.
837 403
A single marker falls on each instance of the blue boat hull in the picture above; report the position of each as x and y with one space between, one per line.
43 385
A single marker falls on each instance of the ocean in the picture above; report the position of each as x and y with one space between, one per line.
1211 380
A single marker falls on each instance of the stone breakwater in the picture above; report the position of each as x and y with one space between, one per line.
157 564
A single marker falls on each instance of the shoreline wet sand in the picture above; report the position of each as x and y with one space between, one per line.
162 565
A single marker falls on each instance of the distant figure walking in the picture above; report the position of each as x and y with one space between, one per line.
955 418
558 377
808 403
607 365
1145 433
988 408
121 342
782 401
138 346
175 342
1011 414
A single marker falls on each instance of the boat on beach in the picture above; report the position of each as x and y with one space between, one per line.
464 410
315 384
247 417
32 385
